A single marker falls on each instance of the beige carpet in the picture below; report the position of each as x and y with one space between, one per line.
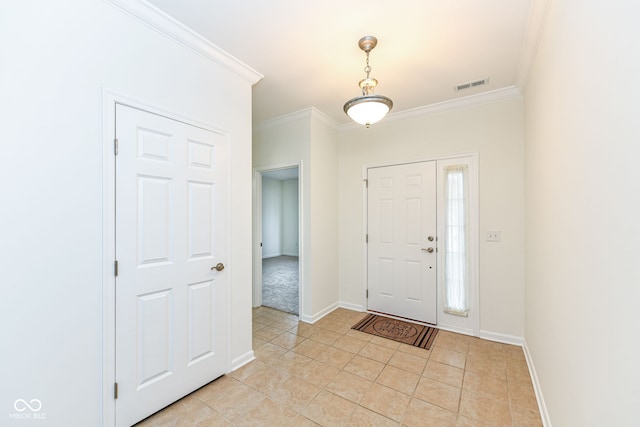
280 283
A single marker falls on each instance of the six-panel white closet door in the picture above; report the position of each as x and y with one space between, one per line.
172 317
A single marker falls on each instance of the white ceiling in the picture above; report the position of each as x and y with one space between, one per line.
308 52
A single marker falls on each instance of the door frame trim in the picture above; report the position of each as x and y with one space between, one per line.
473 327
257 231
110 99
474 224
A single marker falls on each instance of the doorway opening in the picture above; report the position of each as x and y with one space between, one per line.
277 280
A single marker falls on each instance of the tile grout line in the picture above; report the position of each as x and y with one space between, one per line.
449 362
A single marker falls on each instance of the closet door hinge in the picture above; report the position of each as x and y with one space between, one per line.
367 293
115 390
366 183
115 268
366 238
115 146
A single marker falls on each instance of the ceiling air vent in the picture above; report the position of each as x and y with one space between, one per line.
468 85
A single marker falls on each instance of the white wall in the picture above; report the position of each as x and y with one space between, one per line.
57 57
279 217
310 138
324 213
493 130
271 217
583 210
290 231
286 141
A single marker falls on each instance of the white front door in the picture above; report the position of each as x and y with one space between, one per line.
401 221
172 319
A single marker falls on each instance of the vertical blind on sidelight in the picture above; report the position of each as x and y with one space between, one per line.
456 258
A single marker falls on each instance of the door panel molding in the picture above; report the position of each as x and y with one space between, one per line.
110 99
403 280
155 214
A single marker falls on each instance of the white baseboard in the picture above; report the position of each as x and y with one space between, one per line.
544 414
503 338
273 255
511 339
319 315
350 306
239 362
265 256
457 330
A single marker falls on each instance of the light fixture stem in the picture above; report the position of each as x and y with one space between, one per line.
367 69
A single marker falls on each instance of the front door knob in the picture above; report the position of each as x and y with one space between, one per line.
219 266
430 250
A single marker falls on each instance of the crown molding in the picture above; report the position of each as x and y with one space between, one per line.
445 106
533 34
281 120
307 113
322 117
441 107
183 35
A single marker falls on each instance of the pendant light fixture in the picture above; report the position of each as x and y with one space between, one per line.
368 108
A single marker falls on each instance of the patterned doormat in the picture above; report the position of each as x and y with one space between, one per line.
397 330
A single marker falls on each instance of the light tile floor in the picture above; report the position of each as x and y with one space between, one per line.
329 375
